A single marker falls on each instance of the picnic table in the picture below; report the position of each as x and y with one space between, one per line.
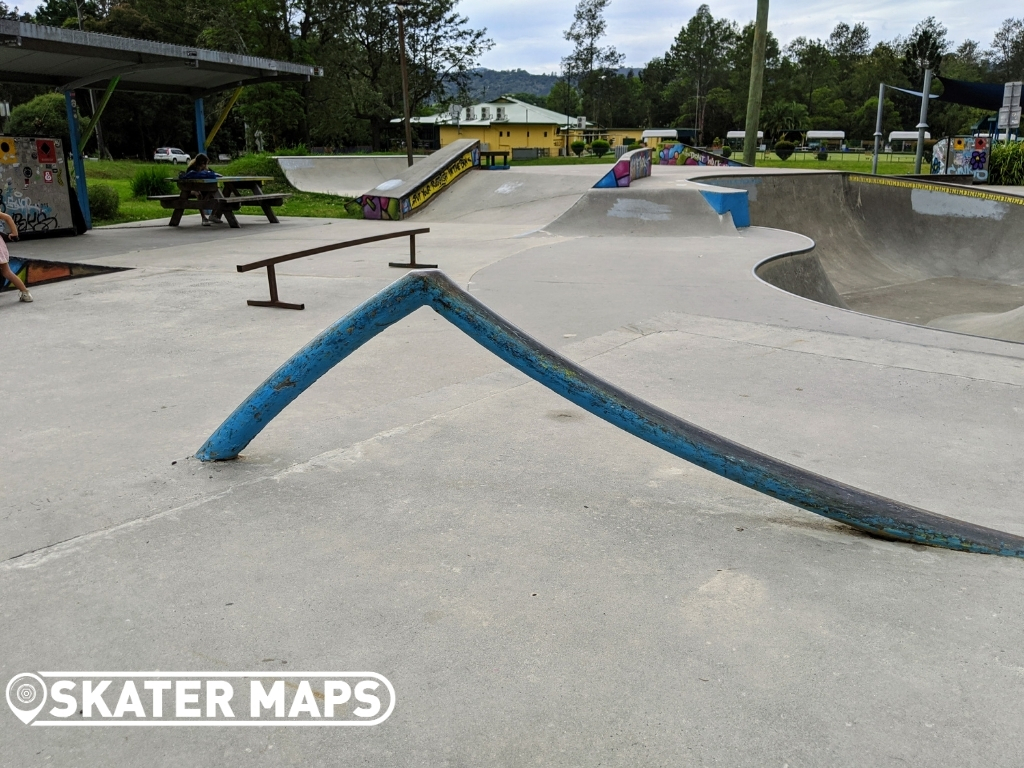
490 156
222 197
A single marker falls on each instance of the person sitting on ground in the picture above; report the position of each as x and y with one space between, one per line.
5 257
199 168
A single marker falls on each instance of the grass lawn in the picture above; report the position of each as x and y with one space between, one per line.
589 160
119 173
888 164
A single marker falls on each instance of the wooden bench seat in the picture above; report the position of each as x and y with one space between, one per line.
235 200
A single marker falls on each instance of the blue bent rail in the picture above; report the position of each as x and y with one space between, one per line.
860 509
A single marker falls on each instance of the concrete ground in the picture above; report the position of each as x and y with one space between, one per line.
540 587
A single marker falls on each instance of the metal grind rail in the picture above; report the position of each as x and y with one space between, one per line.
866 511
272 274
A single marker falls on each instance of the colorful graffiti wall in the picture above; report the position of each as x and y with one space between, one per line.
394 209
630 167
680 154
961 156
34 185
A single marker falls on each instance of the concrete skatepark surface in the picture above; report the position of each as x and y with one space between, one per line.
345 175
540 587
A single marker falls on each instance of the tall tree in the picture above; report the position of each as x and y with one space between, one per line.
699 53
924 49
589 66
1007 50
588 27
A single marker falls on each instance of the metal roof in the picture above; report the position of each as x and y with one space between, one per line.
68 59
906 135
516 112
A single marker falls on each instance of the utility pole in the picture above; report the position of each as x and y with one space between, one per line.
400 7
756 83
878 128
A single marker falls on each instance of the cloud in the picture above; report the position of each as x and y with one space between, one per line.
528 33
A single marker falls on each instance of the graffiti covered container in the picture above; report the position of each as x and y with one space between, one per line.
34 185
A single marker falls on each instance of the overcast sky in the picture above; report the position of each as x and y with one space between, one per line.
528 33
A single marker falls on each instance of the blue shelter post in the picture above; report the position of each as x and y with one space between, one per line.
76 157
200 125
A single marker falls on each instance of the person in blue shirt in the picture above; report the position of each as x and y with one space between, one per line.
199 169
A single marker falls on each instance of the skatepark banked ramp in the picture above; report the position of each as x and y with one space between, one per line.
863 510
418 184
346 175
638 211
944 256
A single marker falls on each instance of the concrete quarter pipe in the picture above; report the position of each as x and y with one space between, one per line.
345 175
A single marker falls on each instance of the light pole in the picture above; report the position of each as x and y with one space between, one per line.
922 126
400 7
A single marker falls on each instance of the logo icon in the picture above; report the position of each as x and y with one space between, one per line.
24 691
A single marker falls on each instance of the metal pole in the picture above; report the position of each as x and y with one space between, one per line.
878 127
81 190
750 141
923 125
405 82
200 125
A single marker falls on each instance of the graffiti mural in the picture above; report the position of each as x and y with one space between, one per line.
631 166
961 156
381 208
680 154
423 194
34 188
639 164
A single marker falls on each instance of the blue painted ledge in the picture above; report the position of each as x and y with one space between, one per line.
733 201
861 509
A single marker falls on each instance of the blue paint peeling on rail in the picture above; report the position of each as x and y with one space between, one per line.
860 509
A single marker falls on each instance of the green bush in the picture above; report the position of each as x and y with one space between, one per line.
151 180
45 115
257 164
103 201
577 147
784 149
1006 166
822 154
600 147
727 151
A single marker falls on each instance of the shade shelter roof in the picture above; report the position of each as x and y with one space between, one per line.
69 59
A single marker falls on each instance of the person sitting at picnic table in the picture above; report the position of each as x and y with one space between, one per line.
199 169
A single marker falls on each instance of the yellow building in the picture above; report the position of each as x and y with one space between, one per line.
507 124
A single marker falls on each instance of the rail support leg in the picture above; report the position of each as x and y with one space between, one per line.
274 302
412 258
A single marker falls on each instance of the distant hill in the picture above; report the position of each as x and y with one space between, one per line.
487 84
